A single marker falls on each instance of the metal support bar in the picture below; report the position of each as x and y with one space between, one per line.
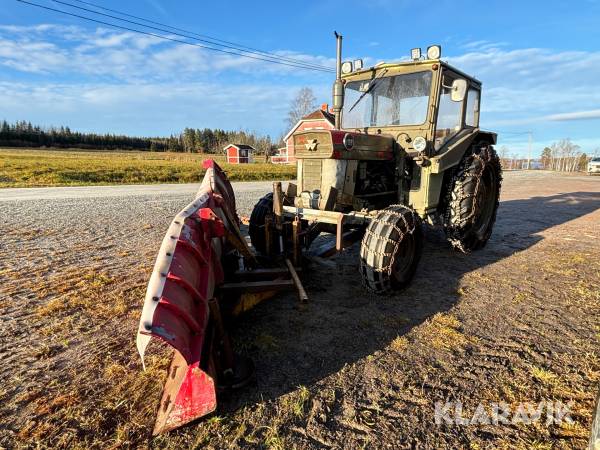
296 279
331 217
278 204
339 240
262 274
257 286
296 232
241 246
227 359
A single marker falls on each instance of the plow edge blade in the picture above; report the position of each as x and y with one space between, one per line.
189 393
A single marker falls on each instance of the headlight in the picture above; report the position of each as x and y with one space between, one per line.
348 141
434 52
419 144
347 67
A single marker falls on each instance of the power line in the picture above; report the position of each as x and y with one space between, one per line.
272 60
233 47
213 40
147 33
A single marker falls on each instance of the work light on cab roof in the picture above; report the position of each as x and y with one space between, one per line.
433 52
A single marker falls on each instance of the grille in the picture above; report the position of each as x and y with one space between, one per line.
311 174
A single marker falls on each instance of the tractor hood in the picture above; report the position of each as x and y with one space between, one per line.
339 144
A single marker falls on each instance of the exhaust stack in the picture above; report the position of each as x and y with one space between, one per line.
338 86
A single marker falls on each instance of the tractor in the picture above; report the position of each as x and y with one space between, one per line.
406 150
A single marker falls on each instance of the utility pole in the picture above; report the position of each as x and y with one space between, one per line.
529 153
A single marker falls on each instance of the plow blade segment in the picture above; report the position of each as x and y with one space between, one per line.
189 393
176 309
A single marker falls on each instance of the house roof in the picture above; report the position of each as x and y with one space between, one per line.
319 114
240 146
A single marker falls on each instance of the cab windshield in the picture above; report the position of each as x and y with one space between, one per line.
387 101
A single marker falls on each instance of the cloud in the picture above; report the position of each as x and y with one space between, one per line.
577 115
523 86
127 56
483 45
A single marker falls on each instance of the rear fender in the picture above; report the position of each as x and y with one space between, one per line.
427 198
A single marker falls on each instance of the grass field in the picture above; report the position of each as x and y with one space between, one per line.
30 168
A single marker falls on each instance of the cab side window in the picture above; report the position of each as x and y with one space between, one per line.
472 113
449 114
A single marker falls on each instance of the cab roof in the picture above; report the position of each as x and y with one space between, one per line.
411 63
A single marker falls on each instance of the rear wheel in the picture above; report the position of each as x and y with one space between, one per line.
391 249
472 199
256 228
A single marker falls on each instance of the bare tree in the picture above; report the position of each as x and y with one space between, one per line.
514 161
504 156
304 103
564 156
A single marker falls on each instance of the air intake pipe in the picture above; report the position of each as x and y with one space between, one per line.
338 86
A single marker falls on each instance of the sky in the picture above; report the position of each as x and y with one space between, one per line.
539 62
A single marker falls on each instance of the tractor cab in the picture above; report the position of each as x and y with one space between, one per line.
422 103
398 128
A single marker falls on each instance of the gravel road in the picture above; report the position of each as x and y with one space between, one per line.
103 219
135 190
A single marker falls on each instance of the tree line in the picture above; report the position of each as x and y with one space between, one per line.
190 140
562 156
24 134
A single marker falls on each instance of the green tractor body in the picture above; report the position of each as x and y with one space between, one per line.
407 148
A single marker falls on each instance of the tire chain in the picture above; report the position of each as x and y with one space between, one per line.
409 230
484 156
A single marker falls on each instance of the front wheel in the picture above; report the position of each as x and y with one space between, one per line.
391 249
256 227
472 199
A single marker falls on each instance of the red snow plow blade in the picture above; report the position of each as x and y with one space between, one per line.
204 265
180 299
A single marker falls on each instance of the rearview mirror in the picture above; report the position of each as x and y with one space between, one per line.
459 89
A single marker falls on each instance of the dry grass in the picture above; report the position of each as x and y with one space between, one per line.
442 331
544 376
125 399
28 168
108 401
90 292
399 344
296 401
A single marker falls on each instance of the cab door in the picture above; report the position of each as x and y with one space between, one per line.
450 114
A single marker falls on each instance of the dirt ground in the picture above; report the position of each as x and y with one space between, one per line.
517 322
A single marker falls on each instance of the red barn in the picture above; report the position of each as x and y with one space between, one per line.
321 119
239 153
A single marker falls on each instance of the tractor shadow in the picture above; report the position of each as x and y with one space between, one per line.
343 323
